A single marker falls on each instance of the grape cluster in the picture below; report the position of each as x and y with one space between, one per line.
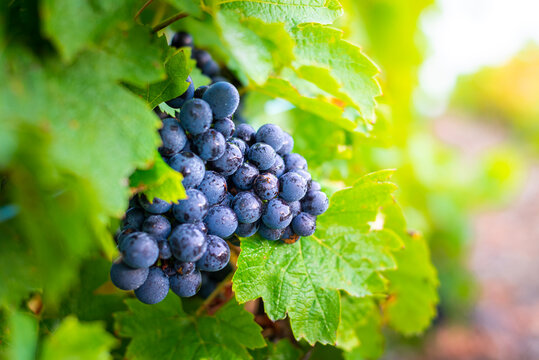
238 182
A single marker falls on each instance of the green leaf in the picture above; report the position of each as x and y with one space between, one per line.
166 331
319 105
301 279
411 305
281 350
322 46
259 49
290 12
178 67
76 340
94 297
159 181
23 329
360 328
73 25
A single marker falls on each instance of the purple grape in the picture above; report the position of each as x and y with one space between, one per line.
266 186
187 242
245 176
277 214
155 288
127 278
217 255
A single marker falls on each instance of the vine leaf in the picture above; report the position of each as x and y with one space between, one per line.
72 25
73 339
166 331
178 67
303 279
159 181
290 12
281 350
322 46
359 332
259 49
411 305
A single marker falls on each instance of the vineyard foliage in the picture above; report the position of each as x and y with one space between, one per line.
78 137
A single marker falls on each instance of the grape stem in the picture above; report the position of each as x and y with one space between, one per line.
214 294
169 21
142 9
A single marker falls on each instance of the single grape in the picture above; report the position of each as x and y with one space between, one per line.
294 161
192 209
295 207
261 155
191 167
164 249
245 176
306 175
304 224
315 203
289 236
239 143
246 133
288 144
182 39
217 255
187 242
277 214
225 127
179 101
200 91
247 206
278 167
221 221
186 285
210 145
246 230
223 98
158 206
173 136
214 187
133 218
266 186
229 162
139 250
157 226
155 288
127 278
293 186
270 134
315 186
196 116
211 68
202 57
270 234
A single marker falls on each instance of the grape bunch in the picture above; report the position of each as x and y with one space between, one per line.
238 182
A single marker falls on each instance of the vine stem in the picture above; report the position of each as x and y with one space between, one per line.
214 294
169 21
142 9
